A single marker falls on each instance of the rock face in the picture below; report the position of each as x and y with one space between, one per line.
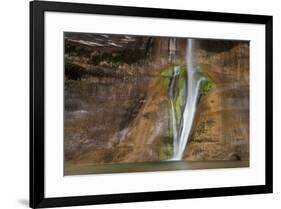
221 127
116 99
115 109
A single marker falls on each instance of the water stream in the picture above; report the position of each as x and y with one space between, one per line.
172 94
193 81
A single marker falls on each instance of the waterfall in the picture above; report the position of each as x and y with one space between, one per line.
193 81
172 94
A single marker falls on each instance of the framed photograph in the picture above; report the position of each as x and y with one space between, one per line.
135 104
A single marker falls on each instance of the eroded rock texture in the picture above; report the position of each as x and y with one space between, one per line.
221 127
116 99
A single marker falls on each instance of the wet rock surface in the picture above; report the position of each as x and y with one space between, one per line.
111 114
221 127
116 100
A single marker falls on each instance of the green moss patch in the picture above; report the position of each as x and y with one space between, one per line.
179 100
166 151
207 85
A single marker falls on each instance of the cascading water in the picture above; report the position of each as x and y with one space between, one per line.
172 93
193 81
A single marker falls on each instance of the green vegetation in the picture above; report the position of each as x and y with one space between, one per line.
170 130
206 85
166 151
167 73
179 100
180 89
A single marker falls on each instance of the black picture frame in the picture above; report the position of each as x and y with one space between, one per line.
37 195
